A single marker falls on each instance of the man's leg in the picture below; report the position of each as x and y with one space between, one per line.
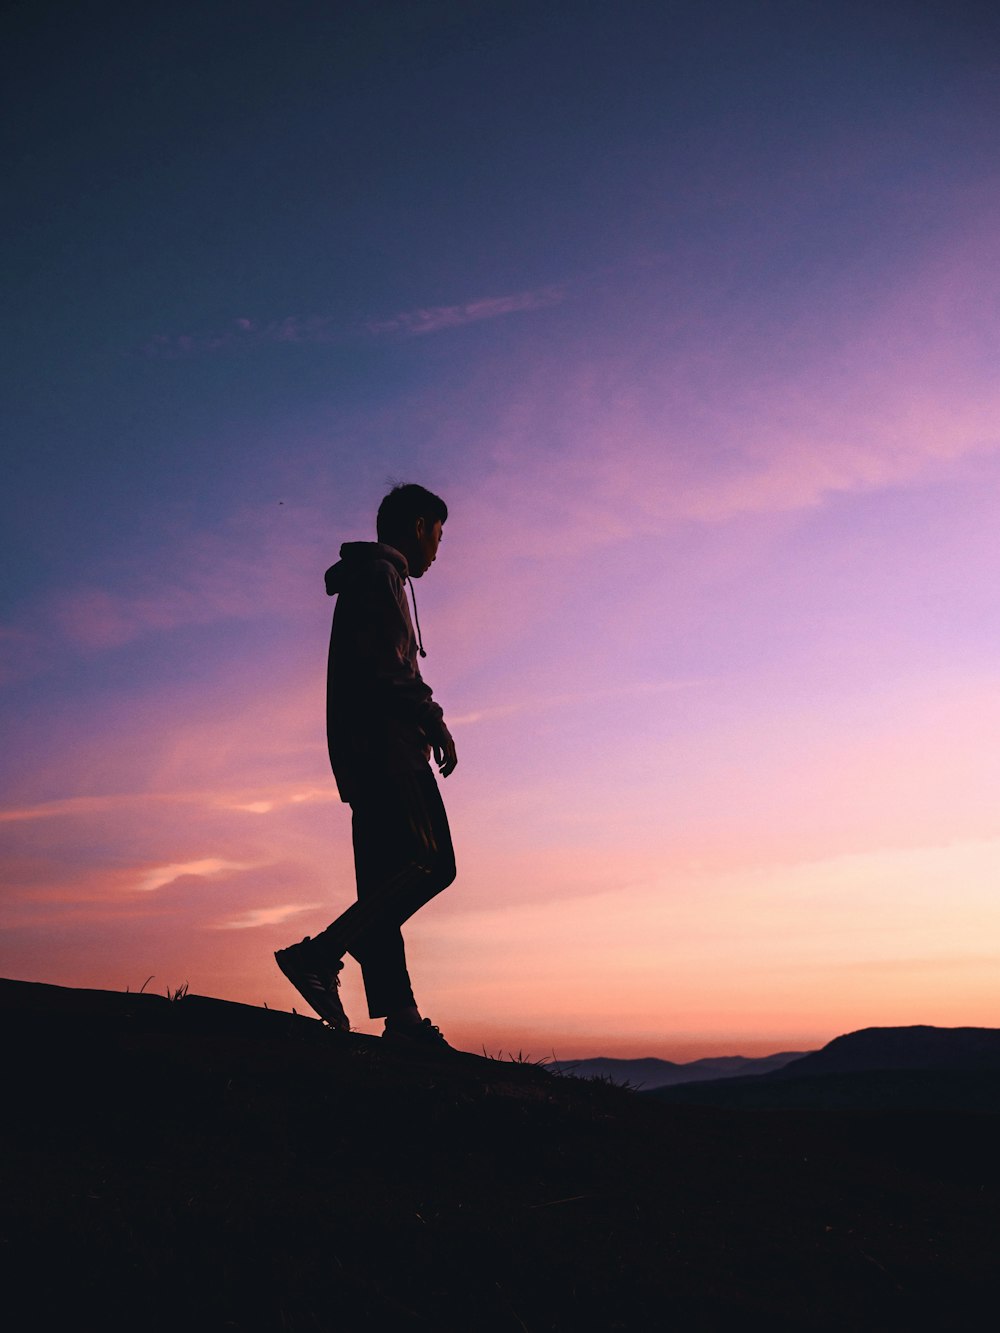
382 956
403 857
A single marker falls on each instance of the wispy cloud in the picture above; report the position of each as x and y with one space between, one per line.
266 916
72 805
435 318
258 562
541 703
257 802
75 806
264 805
246 332
164 875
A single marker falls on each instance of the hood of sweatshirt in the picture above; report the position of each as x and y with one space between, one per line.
354 556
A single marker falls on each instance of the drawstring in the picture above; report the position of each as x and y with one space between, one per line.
420 641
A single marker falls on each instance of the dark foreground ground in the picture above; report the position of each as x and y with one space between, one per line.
195 1164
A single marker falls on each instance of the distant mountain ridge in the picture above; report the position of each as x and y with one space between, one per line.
917 1067
648 1073
916 1047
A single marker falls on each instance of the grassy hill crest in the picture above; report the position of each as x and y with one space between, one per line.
194 1163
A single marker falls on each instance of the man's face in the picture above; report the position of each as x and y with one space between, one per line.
428 541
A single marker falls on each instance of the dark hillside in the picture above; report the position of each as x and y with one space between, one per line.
198 1164
918 1047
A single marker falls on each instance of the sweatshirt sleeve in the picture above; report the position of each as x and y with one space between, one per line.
389 647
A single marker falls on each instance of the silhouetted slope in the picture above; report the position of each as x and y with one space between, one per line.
206 1165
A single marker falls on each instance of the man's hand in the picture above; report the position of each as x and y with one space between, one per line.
444 752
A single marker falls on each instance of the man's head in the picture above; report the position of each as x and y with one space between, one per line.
410 518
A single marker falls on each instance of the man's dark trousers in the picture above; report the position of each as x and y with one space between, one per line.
403 857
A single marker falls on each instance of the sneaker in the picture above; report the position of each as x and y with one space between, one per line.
423 1035
317 982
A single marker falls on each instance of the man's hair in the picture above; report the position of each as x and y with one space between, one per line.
401 508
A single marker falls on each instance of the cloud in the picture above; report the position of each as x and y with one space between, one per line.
267 916
542 703
258 801
258 562
246 332
275 800
435 318
627 429
72 805
161 876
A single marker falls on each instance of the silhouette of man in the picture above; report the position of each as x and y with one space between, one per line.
382 726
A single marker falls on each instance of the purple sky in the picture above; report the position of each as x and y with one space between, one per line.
689 311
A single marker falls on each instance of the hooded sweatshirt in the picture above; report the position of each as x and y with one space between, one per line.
381 717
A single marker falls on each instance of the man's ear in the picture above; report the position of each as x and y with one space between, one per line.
421 528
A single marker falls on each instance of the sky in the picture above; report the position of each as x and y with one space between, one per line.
689 311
